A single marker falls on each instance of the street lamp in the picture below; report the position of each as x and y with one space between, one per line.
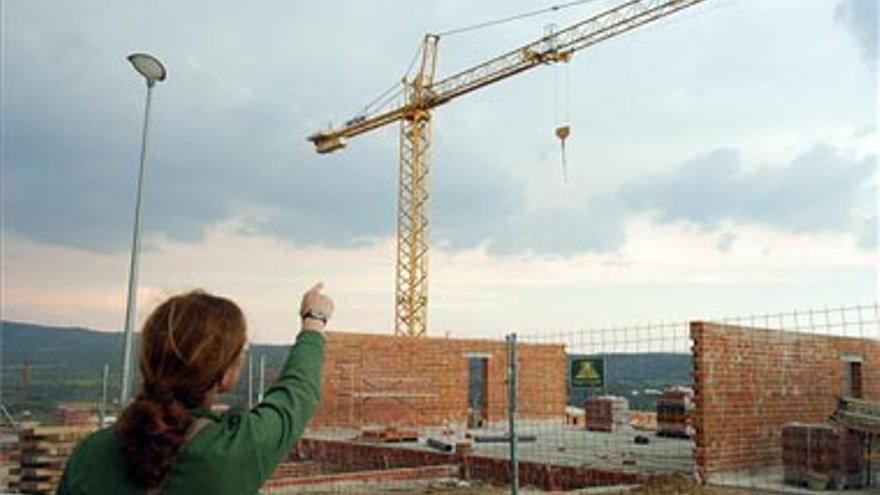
152 70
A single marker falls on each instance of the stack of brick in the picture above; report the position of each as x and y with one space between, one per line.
73 415
606 413
822 456
674 413
287 470
9 468
43 451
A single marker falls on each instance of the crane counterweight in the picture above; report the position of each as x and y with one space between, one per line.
327 143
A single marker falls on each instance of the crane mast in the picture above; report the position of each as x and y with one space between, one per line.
422 94
411 279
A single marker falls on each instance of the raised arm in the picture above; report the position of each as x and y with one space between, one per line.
287 406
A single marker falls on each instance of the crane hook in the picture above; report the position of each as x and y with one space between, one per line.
562 133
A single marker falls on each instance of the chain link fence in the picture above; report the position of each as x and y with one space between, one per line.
781 402
751 402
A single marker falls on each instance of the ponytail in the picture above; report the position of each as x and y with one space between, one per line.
151 430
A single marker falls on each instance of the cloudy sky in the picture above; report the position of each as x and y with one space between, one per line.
721 162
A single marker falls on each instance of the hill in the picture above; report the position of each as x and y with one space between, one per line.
43 366
639 377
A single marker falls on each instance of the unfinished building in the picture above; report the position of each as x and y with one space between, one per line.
378 380
750 384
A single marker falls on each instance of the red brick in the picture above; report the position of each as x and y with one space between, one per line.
750 382
385 380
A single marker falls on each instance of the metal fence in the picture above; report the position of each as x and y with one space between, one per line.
616 378
753 402
746 401
750 402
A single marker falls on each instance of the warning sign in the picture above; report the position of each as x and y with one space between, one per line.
587 372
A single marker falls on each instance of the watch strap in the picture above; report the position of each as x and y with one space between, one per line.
315 315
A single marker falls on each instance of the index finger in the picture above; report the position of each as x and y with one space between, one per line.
316 288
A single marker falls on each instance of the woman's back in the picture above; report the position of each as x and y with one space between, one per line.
231 453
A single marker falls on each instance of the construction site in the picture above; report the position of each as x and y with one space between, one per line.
773 403
784 403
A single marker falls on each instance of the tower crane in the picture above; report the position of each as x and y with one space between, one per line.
422 93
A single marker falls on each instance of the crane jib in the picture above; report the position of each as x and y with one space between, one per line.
558 47
422 94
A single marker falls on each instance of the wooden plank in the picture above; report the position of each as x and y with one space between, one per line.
39 460
48 447
56 433
37 486
35 473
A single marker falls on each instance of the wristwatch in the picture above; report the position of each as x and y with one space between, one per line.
316 314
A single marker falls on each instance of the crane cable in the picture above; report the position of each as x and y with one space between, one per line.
384 99
562 122
512 18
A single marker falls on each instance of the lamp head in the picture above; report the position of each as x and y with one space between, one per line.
149 67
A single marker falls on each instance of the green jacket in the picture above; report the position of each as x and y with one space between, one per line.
234 454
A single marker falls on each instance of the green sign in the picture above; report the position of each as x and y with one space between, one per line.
586 372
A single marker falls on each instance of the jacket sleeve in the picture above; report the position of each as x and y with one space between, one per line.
62 485
280 419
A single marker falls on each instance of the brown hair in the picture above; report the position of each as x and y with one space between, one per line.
186 346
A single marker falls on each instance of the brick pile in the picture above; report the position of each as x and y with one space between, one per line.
42 453
674 410
822 456
606 413
10 468
74 415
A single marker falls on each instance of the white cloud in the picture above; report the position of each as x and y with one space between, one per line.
663 271
248 82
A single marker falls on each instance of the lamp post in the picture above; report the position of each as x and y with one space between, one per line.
152 70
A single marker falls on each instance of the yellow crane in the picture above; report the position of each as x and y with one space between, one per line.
422 93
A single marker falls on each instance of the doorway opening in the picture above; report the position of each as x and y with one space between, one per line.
478 391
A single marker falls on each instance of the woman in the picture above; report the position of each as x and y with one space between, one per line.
168 441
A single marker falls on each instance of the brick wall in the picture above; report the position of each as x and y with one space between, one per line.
750 382
387 380
352 456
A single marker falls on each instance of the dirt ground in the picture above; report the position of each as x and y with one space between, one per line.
663 485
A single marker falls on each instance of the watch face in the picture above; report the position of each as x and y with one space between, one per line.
318 313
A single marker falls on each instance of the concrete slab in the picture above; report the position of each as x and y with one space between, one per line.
364 481
558 443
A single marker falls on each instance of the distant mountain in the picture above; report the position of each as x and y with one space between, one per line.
77 350
638 377
43 366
